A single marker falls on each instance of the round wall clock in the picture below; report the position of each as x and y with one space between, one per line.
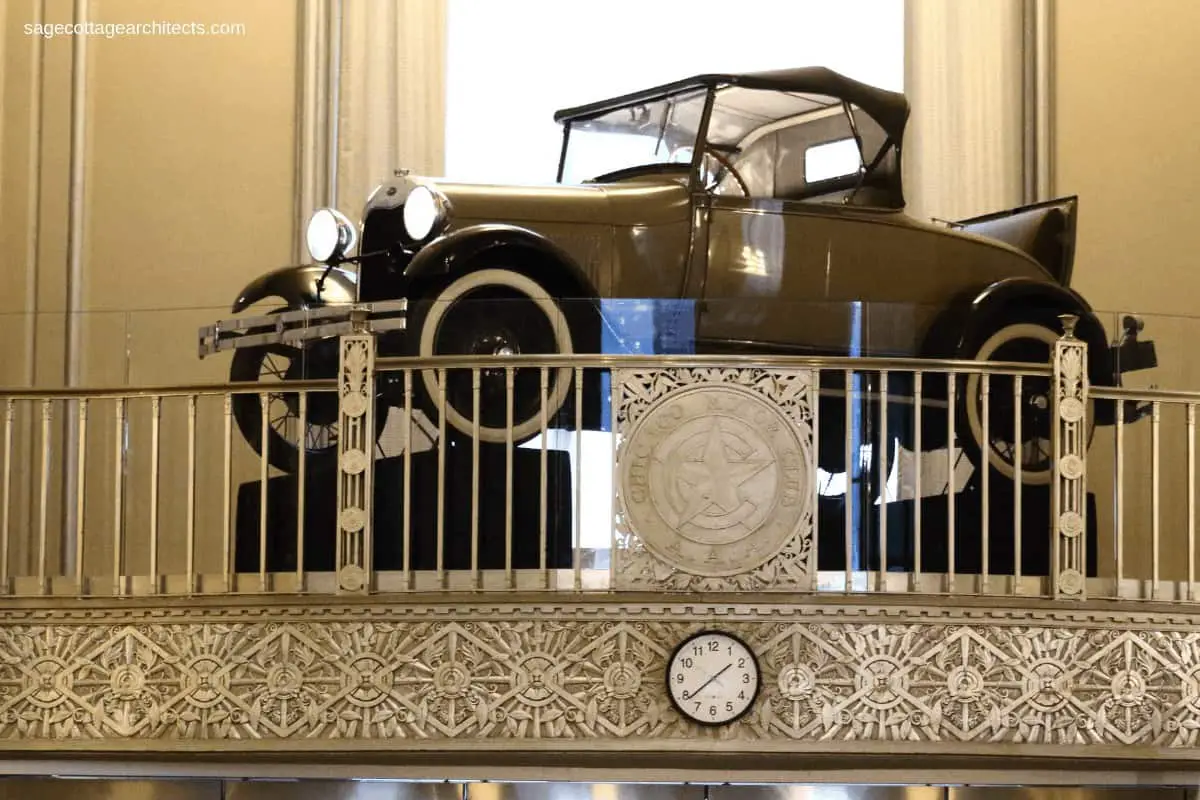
713 678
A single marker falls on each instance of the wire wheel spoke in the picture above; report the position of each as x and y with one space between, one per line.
283 414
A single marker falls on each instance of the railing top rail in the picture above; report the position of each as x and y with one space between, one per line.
526 361
1126 393
167 390
726 361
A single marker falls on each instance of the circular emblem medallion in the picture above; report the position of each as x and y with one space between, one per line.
715 480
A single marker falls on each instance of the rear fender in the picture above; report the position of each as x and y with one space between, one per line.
1045 232
301 287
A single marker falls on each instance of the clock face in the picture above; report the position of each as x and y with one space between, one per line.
713 678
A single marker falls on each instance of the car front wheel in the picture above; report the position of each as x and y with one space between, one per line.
491 312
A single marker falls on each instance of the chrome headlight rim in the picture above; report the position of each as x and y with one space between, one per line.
426 213
329 235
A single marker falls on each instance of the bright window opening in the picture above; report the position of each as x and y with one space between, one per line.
831 160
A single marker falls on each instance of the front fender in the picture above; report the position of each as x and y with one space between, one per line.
454 251
298 287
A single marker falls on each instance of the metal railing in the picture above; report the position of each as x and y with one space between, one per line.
631 473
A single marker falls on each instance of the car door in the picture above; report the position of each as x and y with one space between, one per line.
768 280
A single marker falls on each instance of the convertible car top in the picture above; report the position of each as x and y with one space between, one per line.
821 88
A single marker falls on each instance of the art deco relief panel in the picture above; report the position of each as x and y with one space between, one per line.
568 676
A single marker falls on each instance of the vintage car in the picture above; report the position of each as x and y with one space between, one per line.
771 203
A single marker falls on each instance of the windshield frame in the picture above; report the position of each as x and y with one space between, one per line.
699 144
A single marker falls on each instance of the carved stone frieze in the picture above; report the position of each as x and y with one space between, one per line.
415 676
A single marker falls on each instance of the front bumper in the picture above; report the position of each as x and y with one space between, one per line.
295 328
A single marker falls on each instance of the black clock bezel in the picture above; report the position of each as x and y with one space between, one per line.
758 684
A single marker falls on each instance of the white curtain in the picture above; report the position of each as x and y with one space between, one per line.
965 72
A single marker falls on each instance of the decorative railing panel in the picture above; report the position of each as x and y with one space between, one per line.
715 485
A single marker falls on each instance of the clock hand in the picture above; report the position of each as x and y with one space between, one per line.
710 680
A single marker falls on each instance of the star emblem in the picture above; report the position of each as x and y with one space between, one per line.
713 478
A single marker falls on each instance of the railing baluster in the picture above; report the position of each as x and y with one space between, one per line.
191 495
475 388
1155 452
1119 491
81 483
227 571
918 402
1191 501
577 534
441 479
119 500
264 401
155 422
952 484
508 477
43 496
814 402
1018 460
848 544
986 415
406 532
543 499
9 409
301 486
884 450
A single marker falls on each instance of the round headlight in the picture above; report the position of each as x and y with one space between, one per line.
424 212
329 235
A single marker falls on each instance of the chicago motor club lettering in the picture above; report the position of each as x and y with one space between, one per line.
713 479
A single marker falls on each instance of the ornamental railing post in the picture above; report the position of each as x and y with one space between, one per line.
356 462
1069 426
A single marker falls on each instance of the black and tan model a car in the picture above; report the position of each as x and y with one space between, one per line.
772 201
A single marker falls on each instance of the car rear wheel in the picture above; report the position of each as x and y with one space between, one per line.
491 312
1028 339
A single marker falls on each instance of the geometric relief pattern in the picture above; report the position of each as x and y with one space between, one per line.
593 672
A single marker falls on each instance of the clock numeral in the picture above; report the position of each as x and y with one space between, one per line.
686 694
697 651
697 706
741 663
729 707
713 647
742 695
679 677
712 711
687 663
745 677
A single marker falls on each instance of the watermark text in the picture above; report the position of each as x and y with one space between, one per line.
113 30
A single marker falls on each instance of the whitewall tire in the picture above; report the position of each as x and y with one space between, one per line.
432 330
1036 411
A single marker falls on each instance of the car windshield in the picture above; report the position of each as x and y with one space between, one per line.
656 132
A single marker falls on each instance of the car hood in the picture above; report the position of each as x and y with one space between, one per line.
640 203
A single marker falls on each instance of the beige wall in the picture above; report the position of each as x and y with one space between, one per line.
1126 143
189 175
